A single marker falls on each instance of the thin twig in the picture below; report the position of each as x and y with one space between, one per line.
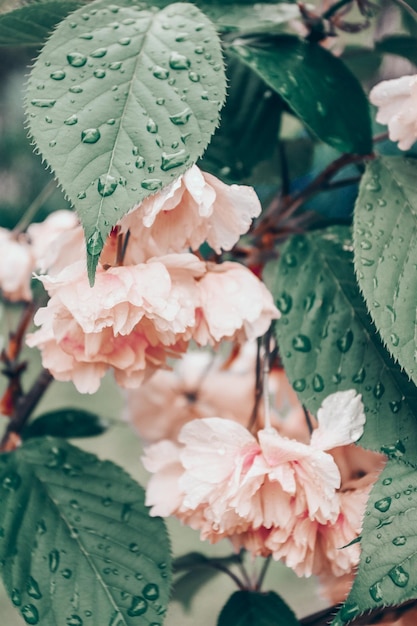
34 207
262 573
335 8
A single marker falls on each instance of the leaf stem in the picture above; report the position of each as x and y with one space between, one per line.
34 207
262 573
335 8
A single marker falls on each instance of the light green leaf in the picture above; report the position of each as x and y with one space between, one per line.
328 343
252 608
30 25
65 423
77 544
400 45
317 86
254 18
385 240
121 101
387 573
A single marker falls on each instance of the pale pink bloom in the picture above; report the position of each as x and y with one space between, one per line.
16 266
234 305
45 237
133 319
396 100
196 207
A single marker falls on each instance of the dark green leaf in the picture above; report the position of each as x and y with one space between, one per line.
251 608
362 62
385 240
328 343
248 131
65 423
400 45
387 573
186 586
317 86
122 101
254 18
77 544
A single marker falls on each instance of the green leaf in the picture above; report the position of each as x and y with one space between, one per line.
385 240
65 423
121 101
363 62
30 25
387 573
317 86
255 18
77 544
328 343
252 608
400 45
248 131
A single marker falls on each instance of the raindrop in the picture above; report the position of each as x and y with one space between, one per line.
360 375
99 53
182 117
75 59
299 384
160 101
95 244
99 73
43 103
181 37
71 120
309 301
178 61
107 502
395 450
284 303
126 512
199 50
58 75
128 21
11 481
194 77
30 614
124 41
373 184
151 126
318 383
369 206
41 528
301 343
383 505
345 342
116 65
16 597
151 592
140 163
53 560
76 89
106 185
395 340
289 259
160 72
111 121
175 159
133 547
66 573
378 390
376 592
151 184
138 607
399 576
387 481
74 620
399 541
90 135
366 245
81 195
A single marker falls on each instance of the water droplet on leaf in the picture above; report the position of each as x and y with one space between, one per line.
76 59
139 606
90 135
399 576
178 61
30 614
95 243
383 505
344 343
106 185
58 75
71 120
175 159
182 117
151 184
301 343
43 103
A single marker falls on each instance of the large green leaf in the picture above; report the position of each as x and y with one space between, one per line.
328 343
30 25
387 573
385 240
254 18
400 45
65 423
251 608
77 545
317 86
121 101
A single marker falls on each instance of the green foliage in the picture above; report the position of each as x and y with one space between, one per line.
252 608
30 25
76 540
65 423
328 343
317 86
387 573
256 18
400 45
385 236
121 101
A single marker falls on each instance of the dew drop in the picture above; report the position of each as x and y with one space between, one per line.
81 195
395 340
378 390
16 597
126 512
111 121
289 259
76 59
175 159
95 243
43 103
139 606
160 101
376 592
140 163
194 77
30 614
373 184
133 547
395 450
318 383
58 75
387 481
66 573
124 41
301 343
99 73
76 89
178 61
71 120
399 541
151 184
182 117
106 185
344 343
90 135
53 560
383 505
99 53
399 576
115 65
284 303
299 384
160 72
151 126
151 591
74 620
11 481
360 375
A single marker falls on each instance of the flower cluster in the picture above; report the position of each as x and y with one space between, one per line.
396 100
148 306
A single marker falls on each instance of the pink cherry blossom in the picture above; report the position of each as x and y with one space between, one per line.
396 100
196 207
234 305
45 237
17 266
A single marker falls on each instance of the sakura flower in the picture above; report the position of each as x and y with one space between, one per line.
45 237
16 267
234 305
396 100
196 207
